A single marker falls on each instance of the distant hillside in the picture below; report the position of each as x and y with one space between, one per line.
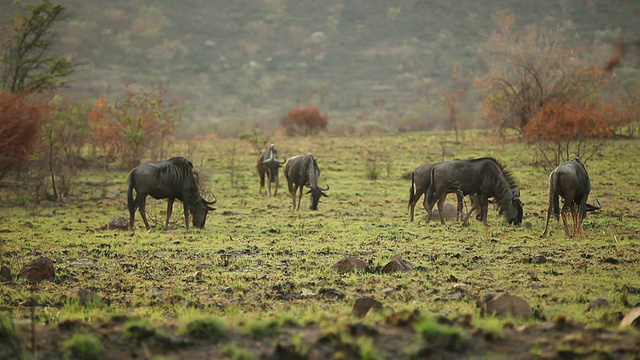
245 63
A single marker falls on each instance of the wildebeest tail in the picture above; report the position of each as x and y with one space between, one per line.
431 191
130 185
555 195
412 192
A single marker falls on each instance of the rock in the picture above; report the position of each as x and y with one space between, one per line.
349 264
539 259
38 270
118 223
631 319
449 210
5 274
503 304
397 263
597 303
84 296
364 305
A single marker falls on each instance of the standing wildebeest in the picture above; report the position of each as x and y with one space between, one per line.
485 178
570 181
170 179
301 171
420 181
268 165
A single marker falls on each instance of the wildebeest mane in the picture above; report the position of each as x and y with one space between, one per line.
178 171
503 197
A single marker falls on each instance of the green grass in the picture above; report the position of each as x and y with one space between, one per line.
83 346
261 260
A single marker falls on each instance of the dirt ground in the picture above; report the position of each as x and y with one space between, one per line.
393 340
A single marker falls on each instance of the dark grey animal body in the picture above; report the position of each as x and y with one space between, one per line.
420 181
571 182
301 171
268 166
485 177
169 179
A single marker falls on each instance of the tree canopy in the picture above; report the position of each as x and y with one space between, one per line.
26 61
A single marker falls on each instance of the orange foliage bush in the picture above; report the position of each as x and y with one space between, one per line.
304 121
558 122
20 118
564 129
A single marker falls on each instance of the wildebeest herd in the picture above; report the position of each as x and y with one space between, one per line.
483 180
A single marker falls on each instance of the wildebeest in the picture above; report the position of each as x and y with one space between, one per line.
268 166
485 177
420 181
571 182
301 171
169 179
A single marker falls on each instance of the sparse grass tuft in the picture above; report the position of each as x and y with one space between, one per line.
203 327
260 328
83 346
236 353
366 350
452 337
490 327
140 329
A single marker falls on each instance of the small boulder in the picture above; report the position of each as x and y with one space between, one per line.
118 223
397 263
597 303
5 274
84 296
350 264
503 304
364 305
631 319
38 270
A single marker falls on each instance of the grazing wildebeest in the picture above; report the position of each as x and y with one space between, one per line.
301 171
571 182
169 179
485 177
420 181
268 166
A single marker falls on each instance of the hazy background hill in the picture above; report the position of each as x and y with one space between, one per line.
368 64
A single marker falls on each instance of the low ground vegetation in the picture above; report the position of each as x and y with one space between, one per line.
257 281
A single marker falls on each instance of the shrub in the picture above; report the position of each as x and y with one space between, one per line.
20 120
304 121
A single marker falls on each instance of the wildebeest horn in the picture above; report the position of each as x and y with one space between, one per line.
325 189
215 200
594 207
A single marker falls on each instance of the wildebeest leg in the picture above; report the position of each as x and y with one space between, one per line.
546 225
186 215
465 217
268 176
169 211
262 174
460 206
565 221
294 192
300 196
441 200
143 213
275 192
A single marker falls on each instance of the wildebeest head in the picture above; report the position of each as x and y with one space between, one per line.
515 212
199 211
270 160
316 192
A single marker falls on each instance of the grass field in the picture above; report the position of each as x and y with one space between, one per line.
259 275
